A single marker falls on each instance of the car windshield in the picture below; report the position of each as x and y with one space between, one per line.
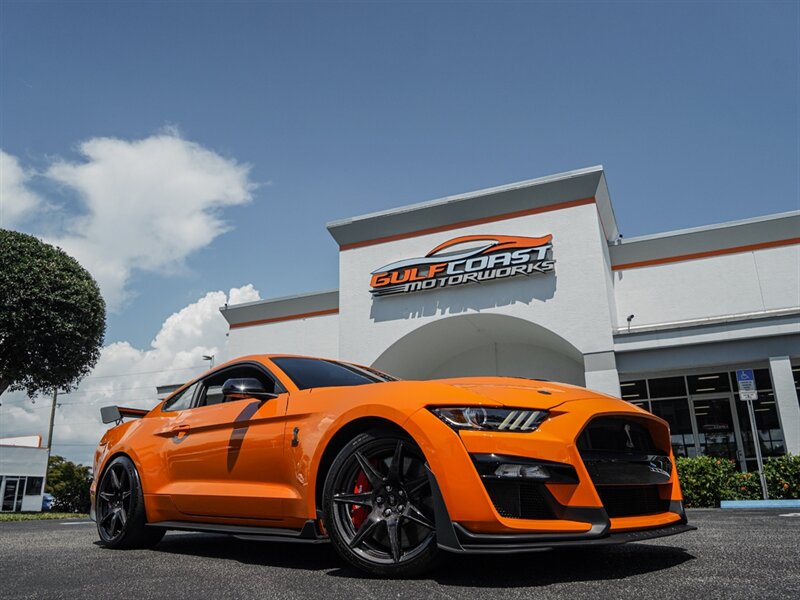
308 373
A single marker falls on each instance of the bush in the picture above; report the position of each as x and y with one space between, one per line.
783 476
706 480
745 486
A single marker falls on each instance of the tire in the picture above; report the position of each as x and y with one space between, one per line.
120 511
378 508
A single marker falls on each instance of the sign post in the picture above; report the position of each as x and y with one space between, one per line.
747 393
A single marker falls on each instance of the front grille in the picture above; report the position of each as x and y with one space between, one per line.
519 500
615 434
625 466
631 500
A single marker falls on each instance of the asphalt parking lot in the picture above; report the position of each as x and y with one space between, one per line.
734 554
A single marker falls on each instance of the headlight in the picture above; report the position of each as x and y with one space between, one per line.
491 419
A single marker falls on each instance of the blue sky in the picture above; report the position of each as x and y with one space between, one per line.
341 109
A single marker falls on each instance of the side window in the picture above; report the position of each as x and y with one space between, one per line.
181 400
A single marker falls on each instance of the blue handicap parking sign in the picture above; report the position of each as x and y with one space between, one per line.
747 384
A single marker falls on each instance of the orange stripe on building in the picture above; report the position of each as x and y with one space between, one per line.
469 223
318 313
707 254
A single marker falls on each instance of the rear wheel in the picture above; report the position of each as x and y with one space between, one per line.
119 508
378 506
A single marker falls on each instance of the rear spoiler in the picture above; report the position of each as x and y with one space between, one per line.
115 414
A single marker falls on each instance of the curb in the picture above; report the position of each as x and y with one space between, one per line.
760 504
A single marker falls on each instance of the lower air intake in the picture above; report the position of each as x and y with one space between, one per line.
516 500
631 500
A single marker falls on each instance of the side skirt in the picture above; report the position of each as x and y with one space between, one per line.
307 535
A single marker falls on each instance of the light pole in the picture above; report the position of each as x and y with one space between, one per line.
210 359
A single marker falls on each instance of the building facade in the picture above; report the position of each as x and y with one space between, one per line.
534 280
23 466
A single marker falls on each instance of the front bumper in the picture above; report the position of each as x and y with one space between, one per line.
454 537
596 499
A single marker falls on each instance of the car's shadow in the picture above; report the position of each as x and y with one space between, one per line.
516 570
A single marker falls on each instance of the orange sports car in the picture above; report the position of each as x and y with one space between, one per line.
390 472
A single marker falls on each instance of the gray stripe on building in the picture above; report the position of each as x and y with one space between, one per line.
487 203
277 308
759 230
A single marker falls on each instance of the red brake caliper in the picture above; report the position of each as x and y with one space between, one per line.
359 513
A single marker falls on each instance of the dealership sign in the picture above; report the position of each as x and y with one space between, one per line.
466 259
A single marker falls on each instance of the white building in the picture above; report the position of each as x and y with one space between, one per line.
23 466
663 321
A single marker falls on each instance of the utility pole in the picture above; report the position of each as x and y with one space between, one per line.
50 438
52 421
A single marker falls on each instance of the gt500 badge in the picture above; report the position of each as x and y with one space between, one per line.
465 259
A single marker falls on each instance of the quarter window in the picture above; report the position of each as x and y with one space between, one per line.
181 400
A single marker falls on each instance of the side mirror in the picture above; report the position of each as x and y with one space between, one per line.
247 387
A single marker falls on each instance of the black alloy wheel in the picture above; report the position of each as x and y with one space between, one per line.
114 501
119 508
379 508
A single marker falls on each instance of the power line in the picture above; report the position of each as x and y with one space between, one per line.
153 399
98 391
61 444
143 372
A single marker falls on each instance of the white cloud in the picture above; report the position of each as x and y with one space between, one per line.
142 205
17 202
127 376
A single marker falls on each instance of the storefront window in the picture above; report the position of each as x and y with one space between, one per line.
34 486
676 413
667 387
708 383
706 416
716 433
634 390
796 373
768 425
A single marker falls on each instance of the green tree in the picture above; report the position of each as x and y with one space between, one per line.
52 316
69 483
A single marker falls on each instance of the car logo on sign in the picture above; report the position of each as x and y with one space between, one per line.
465 259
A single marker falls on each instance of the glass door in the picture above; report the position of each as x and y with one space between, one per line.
12 494
717 429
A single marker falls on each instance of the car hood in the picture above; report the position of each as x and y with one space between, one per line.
520 392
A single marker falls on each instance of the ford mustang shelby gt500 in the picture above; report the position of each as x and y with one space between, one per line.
390 472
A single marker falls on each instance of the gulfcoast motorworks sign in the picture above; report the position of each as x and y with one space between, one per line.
466 259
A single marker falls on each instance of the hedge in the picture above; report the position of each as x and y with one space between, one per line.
706 480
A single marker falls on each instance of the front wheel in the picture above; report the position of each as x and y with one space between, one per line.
378 506
119 508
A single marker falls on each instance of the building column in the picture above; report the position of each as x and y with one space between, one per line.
780 368
600 372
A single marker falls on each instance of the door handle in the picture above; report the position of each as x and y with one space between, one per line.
179 430
174 431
